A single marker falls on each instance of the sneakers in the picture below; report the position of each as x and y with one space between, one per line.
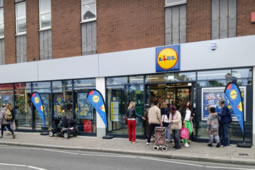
210 145
13 136
218 145
147 143
186 145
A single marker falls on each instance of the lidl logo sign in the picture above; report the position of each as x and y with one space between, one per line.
168 58
233 94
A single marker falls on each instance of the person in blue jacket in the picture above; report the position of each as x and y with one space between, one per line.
225 120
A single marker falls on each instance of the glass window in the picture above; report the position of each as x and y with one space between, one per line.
21 21
23 110
117 80
242 73
88 11
1 22
1 3
218 74
80 84
171 77
21 86
212 83
45 14
62 98
136 79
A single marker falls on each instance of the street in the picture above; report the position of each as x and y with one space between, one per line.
23 158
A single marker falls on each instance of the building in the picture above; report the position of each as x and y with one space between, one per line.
64 48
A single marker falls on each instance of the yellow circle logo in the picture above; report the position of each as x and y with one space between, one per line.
167 58
95 99
36 100
41 108
233 94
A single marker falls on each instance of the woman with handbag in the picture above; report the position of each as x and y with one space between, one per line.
176 124
131 120
187 117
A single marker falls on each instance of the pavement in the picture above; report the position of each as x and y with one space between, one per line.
196 151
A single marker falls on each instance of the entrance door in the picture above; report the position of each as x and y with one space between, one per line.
173 93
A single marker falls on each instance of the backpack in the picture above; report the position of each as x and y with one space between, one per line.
8 115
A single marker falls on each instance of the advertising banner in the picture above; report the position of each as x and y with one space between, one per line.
97 101
85 109
36 100
234 96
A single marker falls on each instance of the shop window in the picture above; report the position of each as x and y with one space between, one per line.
85 114
44 89
218 74
45 14
23 109
171 77
242 73
136 79
81 84
1 19
88 10
116 80
21 25
62 98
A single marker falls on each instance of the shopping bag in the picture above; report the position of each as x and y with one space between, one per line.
126 120
184 133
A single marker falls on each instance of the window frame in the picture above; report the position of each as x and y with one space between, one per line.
20 18
82 11
43 13
1 8
180 2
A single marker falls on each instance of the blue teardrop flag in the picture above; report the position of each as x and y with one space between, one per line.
37 101
234 96
97 101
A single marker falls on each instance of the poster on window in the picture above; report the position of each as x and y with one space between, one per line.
115 111
212 96
85 109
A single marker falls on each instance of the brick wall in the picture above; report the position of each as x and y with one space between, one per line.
129 24
244 25
198 20
9 32
33 41
66 28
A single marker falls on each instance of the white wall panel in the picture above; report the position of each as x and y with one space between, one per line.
231 52
127 62
22 72
68 68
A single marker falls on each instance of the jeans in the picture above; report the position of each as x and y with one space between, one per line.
132 130
225 134
176 135
8 126
168 133
152 128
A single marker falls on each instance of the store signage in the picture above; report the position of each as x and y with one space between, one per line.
168 58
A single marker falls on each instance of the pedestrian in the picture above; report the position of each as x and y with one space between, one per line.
175 121
131 118
165 120
187 116
13 124
225 120
5 118
213 127
154 117
145 120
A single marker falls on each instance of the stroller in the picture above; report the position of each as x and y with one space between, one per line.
63 126
160 139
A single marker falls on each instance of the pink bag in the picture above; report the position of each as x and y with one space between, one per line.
184 133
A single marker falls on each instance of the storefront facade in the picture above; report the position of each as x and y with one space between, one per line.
205 68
